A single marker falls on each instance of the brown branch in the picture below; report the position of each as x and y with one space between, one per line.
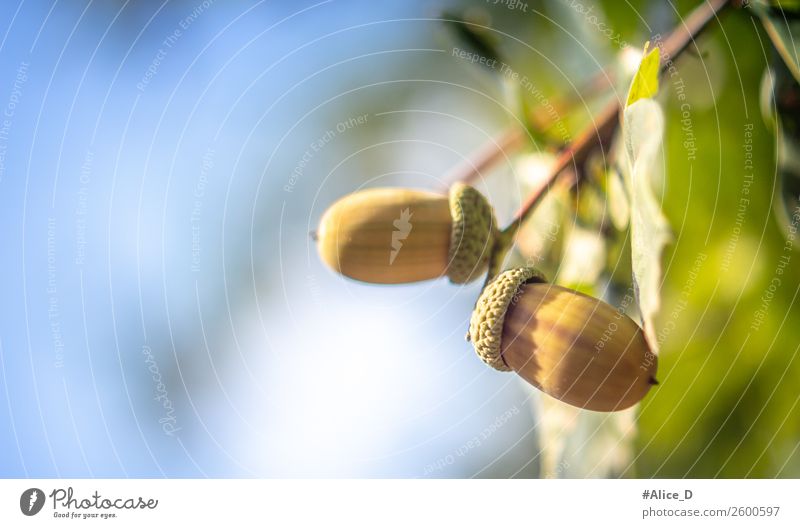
513 138
488 156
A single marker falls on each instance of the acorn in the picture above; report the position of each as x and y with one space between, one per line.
573 347
392 236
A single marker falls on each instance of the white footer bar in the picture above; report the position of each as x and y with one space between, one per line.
401 503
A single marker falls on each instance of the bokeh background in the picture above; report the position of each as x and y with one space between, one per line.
163 311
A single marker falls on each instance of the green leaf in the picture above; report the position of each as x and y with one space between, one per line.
583 260
785 5
783 27
780 107
787 199
766 98
473 35
618 204
793 5
643 131
645 82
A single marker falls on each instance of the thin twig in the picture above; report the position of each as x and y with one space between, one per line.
488 156
513 138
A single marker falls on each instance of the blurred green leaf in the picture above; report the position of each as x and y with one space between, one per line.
782 24
786 5
766 98
618 205
590 204
645 82
583 260
780 106
473 35
643 131
540 239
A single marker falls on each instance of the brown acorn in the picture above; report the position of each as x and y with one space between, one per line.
392 236
573 347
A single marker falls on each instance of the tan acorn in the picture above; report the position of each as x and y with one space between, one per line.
392 236
573 347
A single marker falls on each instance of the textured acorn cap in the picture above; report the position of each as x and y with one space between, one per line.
574 347
486 323
473 234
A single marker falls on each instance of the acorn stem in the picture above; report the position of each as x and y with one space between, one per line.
502 245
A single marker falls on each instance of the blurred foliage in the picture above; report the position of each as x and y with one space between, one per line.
780 100
726 405
782 23
471 32
728 326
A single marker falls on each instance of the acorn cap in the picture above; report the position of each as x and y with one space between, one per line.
473 234
488 317
573 347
